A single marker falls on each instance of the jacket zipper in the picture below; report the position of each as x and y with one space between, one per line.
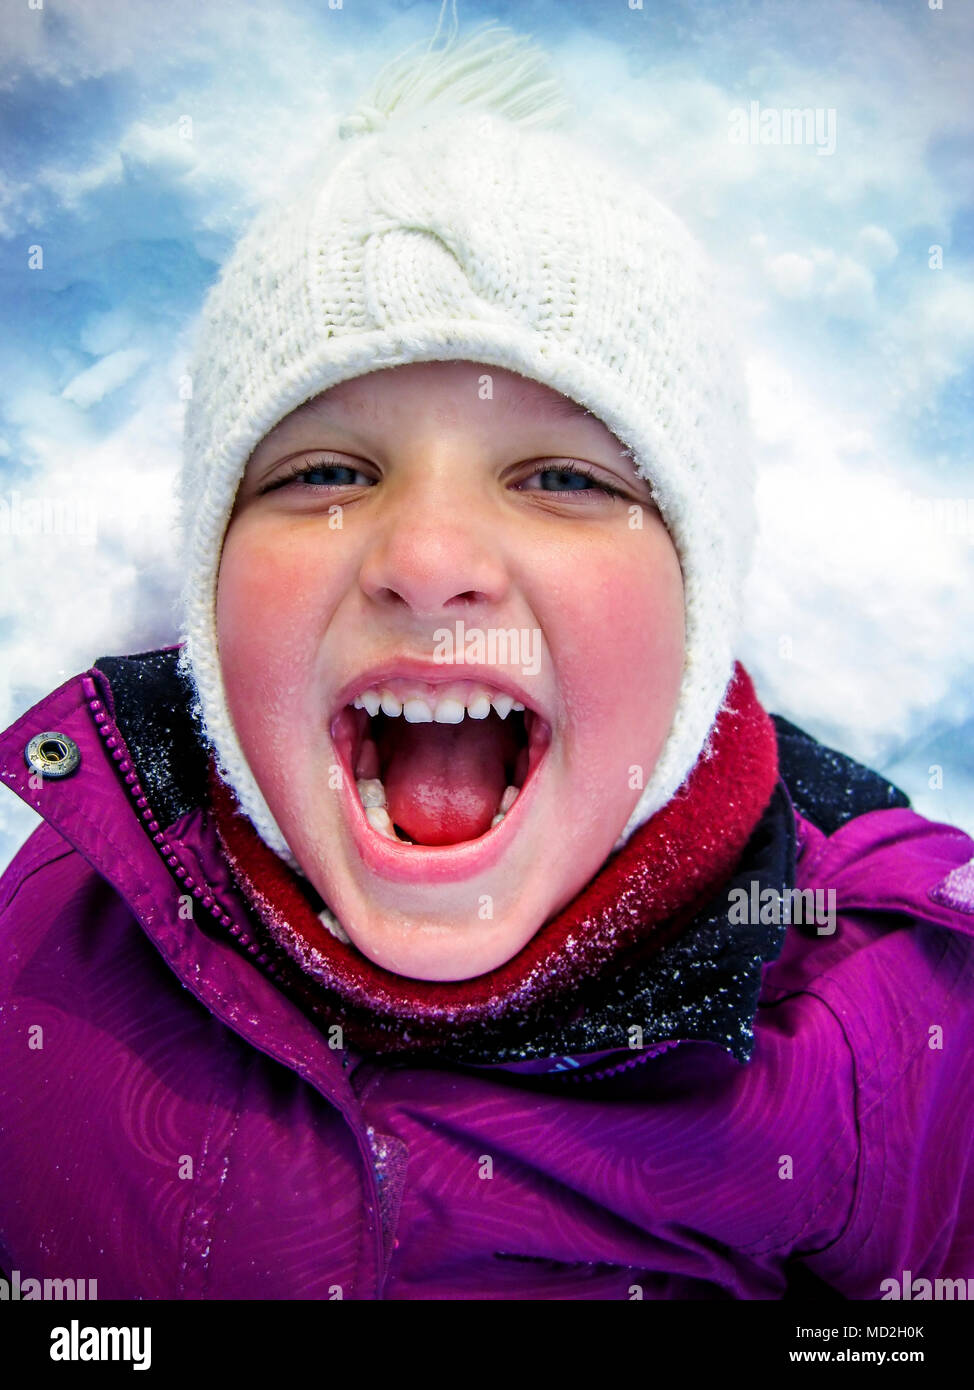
627 1065
158 837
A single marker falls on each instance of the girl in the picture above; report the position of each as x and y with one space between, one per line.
444 917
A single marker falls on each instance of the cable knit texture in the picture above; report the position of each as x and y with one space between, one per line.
638 902
448 225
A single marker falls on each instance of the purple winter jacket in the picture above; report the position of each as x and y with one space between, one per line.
800 1115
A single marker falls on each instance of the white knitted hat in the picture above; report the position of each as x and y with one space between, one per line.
442 225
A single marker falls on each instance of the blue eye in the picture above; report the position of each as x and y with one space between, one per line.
316 474
568 477
571 477
575 482
321 474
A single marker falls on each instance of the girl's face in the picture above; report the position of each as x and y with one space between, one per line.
435 524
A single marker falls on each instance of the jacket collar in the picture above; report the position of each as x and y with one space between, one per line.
639 900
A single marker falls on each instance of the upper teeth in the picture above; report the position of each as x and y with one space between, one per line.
446 709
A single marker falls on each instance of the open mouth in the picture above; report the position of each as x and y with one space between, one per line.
443 770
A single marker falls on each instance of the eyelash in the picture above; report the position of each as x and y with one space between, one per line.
299 469
570 466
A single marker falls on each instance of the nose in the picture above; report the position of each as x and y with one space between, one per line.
436 548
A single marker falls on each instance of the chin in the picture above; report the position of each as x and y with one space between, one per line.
430 951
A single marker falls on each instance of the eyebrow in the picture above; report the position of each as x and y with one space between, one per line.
563 407
317 405
566 406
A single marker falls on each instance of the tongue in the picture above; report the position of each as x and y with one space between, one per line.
444 781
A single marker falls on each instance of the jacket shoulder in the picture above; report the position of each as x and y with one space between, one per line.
893 970
881 864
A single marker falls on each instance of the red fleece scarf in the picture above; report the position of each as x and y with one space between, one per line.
638 902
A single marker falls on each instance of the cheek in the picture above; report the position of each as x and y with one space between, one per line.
631 603
622 635
267 595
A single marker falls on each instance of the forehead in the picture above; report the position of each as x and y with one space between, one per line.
507 389
439 393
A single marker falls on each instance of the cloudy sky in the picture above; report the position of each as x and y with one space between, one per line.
138 139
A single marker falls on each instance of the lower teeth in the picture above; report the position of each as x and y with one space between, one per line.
507 801
379 819
371 792
372 795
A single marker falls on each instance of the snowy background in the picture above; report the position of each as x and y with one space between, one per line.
139 138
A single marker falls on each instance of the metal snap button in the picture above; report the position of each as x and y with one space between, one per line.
52 754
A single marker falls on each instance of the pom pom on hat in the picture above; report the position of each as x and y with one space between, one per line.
447 223
492 70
